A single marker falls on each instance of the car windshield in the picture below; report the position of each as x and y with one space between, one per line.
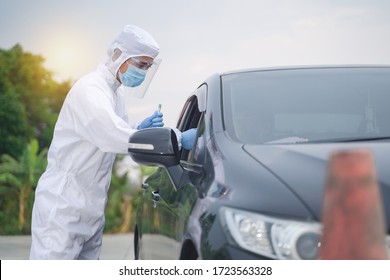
307 105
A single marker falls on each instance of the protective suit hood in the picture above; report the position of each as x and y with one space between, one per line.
132 41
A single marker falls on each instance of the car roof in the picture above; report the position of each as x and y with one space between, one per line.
304 67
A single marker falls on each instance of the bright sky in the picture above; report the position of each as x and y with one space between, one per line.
199 37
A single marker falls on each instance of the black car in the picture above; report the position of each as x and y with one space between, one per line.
252 185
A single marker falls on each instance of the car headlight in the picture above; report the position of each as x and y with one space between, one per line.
272 237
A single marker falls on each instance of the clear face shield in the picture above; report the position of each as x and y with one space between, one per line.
140 91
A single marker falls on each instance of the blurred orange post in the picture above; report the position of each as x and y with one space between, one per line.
353 216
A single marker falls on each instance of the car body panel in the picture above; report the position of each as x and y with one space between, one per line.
311 161
279 180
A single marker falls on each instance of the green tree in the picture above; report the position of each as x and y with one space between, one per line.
20 176
13 120
28 95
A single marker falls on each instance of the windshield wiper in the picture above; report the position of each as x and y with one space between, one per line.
345 140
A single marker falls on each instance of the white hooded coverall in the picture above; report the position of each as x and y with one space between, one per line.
92 127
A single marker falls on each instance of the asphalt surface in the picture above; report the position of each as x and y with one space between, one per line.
115 247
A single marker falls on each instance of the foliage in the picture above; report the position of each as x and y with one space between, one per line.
30 100
19 177
14 130
29 104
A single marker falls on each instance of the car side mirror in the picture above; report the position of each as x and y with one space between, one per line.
154 146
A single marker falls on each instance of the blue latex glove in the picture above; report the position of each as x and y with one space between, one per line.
155 120
188 138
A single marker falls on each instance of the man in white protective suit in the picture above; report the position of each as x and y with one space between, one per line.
92 128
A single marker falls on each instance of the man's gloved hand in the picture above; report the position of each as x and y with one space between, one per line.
188 138
155 120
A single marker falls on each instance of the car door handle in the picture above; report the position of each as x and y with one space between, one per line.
156 198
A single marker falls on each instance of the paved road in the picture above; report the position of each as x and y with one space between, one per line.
115 247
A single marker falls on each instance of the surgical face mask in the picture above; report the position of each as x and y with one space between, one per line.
133 76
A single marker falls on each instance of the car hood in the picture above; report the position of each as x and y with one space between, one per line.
302 168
